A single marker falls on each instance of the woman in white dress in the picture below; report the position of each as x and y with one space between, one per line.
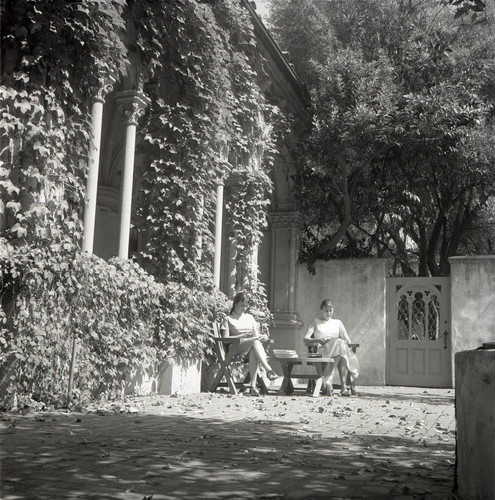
241 324
334 343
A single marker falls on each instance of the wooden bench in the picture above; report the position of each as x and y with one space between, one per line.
225 348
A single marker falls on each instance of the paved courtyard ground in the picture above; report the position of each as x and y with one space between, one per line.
389 442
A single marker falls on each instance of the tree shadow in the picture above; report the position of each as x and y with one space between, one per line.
122 456
430 398
425 396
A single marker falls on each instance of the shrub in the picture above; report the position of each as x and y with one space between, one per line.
113 317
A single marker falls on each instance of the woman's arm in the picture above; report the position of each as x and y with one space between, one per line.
343 333
224 328
309 333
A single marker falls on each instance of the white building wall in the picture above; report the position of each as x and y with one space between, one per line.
357 288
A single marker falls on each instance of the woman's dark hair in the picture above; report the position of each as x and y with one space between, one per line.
238 298
326 303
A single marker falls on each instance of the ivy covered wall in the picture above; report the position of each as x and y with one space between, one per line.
211 117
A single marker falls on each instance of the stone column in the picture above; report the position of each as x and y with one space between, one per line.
132 104
93 167
217 263
283 280
218 236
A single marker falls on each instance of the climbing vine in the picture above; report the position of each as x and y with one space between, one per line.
207 122
45 113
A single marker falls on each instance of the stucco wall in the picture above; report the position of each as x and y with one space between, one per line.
472 301
357 288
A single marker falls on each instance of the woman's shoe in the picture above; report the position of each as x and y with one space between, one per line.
254 391
327 389
345 393
271 375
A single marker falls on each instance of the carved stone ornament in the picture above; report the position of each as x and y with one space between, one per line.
285 220
132 104
287 320
103 91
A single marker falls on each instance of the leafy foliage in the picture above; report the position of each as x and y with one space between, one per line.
44 118
121 319
210 125
400 161
208 122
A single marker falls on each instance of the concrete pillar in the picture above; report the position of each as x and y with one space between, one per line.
283 276
472 281
218 236
475 419
132 106
93 167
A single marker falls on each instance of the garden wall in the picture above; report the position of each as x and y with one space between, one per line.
472 301
357 288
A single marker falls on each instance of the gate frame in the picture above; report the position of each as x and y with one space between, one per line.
429 281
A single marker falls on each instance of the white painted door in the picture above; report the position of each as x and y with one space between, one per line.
419 341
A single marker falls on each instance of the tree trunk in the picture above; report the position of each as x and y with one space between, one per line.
431 250
423 261
402 255
333 241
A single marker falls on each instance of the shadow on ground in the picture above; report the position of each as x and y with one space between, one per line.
430 398
123 456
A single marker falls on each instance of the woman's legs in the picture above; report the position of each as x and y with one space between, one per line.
253 368
352 380
330 370
257 355
343 371
260 354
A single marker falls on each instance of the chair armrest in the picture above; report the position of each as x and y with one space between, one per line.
226 340
311 342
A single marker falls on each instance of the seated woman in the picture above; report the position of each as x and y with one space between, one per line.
334 343
241 324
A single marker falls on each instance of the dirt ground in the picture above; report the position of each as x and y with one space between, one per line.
389 442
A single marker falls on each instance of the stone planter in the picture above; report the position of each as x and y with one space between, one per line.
172 377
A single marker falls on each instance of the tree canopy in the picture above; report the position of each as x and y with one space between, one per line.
401 158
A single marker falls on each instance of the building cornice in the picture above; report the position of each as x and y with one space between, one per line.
275 52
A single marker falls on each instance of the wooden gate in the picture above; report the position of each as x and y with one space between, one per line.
418 337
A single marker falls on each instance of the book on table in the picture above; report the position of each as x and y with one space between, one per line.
285 353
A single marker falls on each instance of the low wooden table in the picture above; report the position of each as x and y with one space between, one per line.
288 363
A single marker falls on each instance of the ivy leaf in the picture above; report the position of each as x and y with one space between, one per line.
38 210
9 187
19 230
14 205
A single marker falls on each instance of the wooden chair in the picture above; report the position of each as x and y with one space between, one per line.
225 348
313 349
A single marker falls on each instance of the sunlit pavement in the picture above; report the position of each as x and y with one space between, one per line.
388 442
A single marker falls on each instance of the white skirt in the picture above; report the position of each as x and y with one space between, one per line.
339 347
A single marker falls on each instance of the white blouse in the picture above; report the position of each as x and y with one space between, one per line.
327 328
244 324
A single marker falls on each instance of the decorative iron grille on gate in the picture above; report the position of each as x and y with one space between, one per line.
418 315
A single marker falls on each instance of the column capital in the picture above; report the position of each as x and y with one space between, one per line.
287 320
132 104
103 90
285 220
